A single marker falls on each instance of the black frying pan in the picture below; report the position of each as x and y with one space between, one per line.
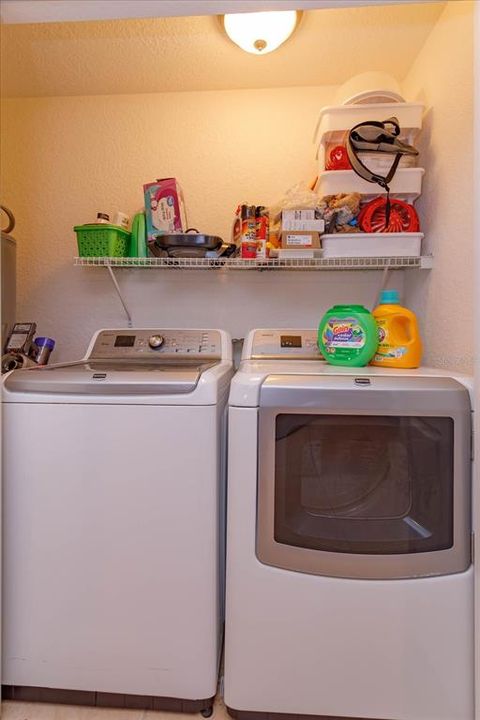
191 238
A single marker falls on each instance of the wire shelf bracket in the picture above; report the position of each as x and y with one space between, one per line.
232 264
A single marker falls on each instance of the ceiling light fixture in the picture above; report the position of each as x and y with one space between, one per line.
261 32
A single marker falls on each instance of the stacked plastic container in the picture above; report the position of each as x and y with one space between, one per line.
332 128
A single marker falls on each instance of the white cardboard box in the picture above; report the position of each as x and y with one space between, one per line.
300 214
302 219
315 225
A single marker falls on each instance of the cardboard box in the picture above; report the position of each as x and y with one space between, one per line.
300 239
303 219
164 207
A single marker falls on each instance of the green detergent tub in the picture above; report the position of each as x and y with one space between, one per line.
348 335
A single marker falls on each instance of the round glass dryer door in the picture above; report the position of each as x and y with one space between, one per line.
370 481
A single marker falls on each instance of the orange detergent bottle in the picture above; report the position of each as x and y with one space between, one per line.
399 343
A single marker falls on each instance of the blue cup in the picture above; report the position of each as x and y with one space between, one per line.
43 348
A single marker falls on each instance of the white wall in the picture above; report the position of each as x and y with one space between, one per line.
67 157
442 78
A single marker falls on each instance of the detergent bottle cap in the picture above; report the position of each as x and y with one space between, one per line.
389 297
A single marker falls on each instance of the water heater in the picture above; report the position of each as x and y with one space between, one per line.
9 277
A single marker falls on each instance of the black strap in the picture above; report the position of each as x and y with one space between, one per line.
389 132
388 207
363 171
388 179
385 181
385 142
393 121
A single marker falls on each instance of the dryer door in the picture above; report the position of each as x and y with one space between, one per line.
364 477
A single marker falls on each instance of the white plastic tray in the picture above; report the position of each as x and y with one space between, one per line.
376 162
333 121
406 184
372 244
382 162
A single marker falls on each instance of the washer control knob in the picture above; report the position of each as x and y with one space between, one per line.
156 341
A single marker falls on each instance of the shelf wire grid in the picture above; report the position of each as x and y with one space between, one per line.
331 263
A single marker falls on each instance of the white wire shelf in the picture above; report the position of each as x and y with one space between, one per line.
351 263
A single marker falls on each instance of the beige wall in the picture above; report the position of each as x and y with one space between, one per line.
476 331
442 78
64 158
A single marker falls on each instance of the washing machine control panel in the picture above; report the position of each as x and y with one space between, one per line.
156 341
284 344
152 343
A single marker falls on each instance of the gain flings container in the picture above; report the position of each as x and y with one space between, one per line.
348 335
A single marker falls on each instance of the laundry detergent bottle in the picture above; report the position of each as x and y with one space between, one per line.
399 343
348 335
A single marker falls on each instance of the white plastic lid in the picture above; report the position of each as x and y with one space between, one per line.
369 87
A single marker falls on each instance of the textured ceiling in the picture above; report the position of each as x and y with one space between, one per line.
32 11
191 53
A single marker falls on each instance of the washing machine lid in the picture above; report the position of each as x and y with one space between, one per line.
110 377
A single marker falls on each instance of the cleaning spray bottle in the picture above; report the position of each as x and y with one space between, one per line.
399 343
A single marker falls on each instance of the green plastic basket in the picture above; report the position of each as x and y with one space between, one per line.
102 240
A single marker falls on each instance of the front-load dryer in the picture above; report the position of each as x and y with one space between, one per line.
349 578
113 523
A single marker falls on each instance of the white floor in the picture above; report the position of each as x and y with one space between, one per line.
43 711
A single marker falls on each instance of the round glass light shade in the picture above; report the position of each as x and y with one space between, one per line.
260 33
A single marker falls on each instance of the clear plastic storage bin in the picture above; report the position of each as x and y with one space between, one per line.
406 184
372 245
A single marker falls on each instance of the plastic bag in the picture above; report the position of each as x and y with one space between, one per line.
300 195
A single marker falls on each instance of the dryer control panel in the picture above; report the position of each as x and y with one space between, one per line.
282 343
152 343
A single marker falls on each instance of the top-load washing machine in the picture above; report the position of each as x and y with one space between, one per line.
349 578
113 522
